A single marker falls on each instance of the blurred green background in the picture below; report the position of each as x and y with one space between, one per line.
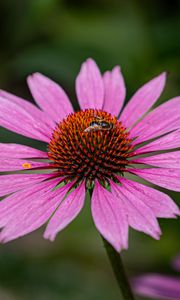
55 37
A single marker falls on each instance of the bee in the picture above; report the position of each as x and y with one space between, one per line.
99 124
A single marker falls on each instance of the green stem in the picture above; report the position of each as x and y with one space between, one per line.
119 272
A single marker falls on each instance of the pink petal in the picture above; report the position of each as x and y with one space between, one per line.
20 151
167 178
89 86
143 100
169 141
110 217
30 209
11 164
163 119
10 205
140 216
165 160
16 118
30 108
50 97
157 286
66 212
161 204
12 183
114 90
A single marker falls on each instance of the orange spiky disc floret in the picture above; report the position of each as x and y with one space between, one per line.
81 148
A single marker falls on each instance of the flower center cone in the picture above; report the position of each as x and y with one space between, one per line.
90 144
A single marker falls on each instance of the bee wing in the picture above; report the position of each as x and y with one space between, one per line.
88 129
92 128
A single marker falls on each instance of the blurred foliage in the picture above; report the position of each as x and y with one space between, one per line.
54 37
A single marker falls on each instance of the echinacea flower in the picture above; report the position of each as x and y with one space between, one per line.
159 286
92 149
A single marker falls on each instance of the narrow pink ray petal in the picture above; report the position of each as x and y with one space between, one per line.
20 151
30 108
14 182
89 86
167 178
114 91
9 206
143 100
163 119
169 141
66 212
28 213
16 118
50 96
161 204
11 164
140 216
157 286
110 217
165 160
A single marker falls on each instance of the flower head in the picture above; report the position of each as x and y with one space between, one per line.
159 286
92 149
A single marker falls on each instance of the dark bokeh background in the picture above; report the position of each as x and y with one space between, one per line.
54 37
